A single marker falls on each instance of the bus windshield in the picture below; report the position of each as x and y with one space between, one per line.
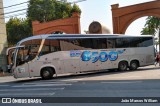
27 52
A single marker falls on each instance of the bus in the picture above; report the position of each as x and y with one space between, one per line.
48 55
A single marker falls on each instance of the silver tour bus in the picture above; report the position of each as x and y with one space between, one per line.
51 54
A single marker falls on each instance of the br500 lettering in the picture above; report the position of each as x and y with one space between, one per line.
102 56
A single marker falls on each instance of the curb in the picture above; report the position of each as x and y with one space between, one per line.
2 74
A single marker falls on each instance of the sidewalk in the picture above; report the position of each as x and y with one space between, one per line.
3 74
151 67
7 79
11 79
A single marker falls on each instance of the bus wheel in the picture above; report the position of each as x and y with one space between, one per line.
122 66
47 73
133 65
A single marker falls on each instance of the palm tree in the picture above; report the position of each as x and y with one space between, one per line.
151 27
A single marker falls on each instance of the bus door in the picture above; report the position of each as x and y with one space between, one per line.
71 63
22 69
32 59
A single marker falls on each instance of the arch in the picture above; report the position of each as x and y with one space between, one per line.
124 16
135 18
68 25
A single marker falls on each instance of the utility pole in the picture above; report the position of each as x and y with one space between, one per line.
3 39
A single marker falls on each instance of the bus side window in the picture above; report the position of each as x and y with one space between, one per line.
71 44
54 45
111 43
122 43
99 43
103 43
50 46
87 43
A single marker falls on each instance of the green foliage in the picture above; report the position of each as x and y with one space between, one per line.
152 26
47 10
76 9
41 10
17 29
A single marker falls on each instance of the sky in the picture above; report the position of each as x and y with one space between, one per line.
92 10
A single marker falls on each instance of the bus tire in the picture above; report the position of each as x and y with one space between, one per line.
133 65
47 73
122 66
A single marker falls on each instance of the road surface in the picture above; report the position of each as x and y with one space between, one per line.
145 82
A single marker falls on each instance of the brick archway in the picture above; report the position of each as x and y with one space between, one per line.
67 25
124 16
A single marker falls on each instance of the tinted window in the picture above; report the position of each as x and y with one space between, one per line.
71 44
95 43
50 46
141 42
134 41
87 43
122 43
103 43
111 43
100 43
83 44
145 42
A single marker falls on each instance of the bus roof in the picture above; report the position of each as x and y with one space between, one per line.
73 36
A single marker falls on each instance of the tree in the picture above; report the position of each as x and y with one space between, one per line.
47 10
152 26
41 10
17 29
76 9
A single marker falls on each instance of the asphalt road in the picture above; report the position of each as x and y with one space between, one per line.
144 82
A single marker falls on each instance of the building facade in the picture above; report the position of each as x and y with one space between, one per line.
3 39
